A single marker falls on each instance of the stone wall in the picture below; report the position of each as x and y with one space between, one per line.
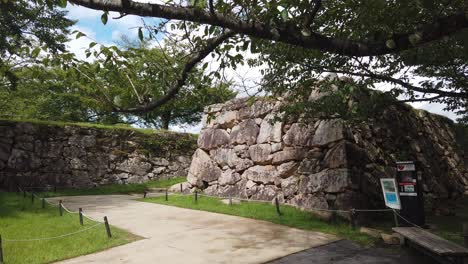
33 154
243 152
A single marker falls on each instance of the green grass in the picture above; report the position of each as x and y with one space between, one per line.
20 219
116 188
291 216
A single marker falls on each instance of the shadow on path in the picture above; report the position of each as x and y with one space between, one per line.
347 252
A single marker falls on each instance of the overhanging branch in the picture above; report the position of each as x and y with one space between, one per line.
197 57
439 28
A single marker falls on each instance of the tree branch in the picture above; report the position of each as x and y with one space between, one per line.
441 27
211 45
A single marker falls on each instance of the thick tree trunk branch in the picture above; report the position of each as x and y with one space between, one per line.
211 45
441 27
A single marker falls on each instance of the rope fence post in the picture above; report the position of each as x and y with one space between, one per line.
465 234
181 188
24 194
166 195
32 197
196 196
60 208
277 206
1 250
106 223
80 212
55 188
43 203
230 201
352 217
144 194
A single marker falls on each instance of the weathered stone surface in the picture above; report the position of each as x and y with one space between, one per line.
330 181
328 131
229 177
261 174
336 157
243 164
245 133
227 119
258 109
212 138
290 186
288 154
299 135
287 169
266 193
225 157
269 132
203 168
260 153
72 156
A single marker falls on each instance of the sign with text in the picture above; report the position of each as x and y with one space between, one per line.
390 193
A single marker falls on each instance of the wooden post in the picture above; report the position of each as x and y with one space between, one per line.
80 212
24 194
32 197
166 195
352 217
196 196
60 208
465 234
230 201
277 206
106 223
43 203
55 188
1 250
144 194
181 188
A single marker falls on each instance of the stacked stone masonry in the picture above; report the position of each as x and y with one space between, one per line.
44 155
330 164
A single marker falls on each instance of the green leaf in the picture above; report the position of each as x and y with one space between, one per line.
80 34
62 3
92 44
35 52
104 18
140 34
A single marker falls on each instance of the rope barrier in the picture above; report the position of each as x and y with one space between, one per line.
54 237
409 222
308 209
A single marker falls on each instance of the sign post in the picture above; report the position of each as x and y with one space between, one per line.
391 197
412 205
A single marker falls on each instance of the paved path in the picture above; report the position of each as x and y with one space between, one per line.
177 235
347 252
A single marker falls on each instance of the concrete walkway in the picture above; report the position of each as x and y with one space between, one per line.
176 235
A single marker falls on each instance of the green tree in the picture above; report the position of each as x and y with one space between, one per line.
418 47
26 29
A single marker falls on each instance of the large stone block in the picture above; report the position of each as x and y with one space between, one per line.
329 180
225 157
328 131
299 135
212 138
229 177
202 169
226 119
261 174
269 132
288 154
245 133
260 153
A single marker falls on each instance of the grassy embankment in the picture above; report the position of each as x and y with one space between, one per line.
20 219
